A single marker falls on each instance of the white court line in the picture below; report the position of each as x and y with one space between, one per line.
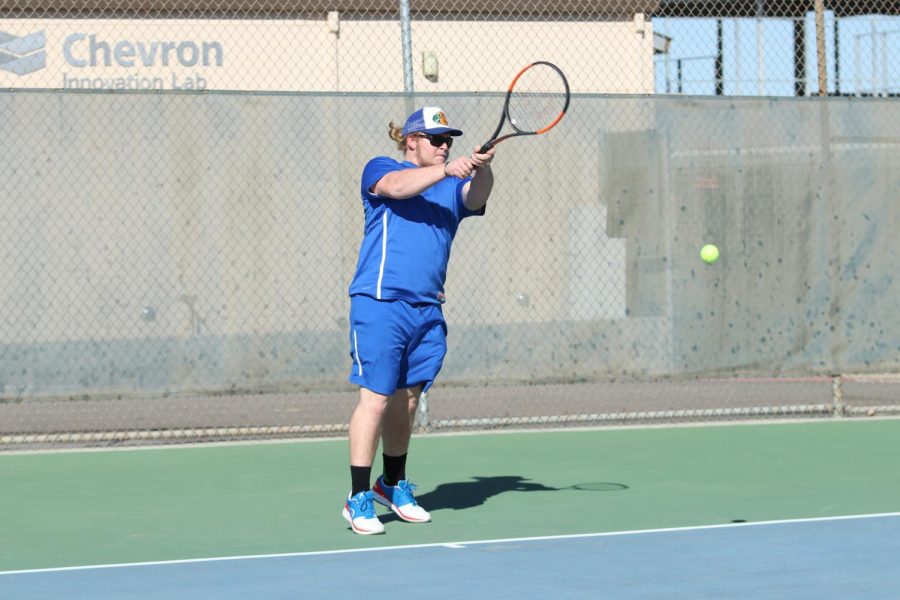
454 545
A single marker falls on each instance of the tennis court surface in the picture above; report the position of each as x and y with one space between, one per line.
774 510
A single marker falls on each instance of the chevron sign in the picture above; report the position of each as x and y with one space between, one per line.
23 55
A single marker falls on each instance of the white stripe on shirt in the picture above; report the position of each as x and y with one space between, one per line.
383 253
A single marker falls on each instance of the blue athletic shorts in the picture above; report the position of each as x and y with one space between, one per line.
395 344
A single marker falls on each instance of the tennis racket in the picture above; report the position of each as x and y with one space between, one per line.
536 101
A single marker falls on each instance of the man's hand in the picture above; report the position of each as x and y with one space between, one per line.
461 167
480 160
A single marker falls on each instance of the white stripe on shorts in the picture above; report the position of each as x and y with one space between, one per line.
356 352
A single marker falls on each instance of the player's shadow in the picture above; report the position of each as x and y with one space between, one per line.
461 495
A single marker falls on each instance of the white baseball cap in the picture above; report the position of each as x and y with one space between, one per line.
429 119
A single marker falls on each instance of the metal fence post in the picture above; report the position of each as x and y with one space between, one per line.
406 34
820 47
837 396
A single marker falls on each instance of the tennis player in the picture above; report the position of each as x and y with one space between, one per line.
397 330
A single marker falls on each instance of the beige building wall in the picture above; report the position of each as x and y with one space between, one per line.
326 54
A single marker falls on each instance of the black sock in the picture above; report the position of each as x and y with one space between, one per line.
394 468
360 478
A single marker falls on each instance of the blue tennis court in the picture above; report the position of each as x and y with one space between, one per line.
844 557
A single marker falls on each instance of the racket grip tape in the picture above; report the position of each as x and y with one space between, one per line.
485 147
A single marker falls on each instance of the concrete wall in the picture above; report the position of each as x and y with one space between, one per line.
169 242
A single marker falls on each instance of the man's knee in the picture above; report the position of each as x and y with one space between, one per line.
408 397
372 402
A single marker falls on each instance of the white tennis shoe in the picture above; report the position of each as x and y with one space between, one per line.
359 511
399 498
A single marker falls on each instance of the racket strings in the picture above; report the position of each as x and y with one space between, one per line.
537 99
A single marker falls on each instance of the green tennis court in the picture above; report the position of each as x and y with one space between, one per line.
116 507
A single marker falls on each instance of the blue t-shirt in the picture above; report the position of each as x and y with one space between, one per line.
406 244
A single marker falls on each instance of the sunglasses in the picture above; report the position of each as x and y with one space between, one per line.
437 140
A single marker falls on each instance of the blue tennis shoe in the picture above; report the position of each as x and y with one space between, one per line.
399 498
360 513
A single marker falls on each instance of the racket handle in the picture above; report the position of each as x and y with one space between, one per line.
485 148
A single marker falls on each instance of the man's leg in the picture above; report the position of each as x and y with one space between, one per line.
365 429
398 420
393 489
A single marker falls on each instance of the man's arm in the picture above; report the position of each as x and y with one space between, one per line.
477 191
407 183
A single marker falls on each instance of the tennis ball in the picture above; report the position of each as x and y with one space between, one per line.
709 253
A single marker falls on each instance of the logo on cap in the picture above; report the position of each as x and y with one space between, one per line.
439 117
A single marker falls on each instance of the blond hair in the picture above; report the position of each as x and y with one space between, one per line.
396 133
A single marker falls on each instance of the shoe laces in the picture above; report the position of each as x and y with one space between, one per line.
365 504
409 487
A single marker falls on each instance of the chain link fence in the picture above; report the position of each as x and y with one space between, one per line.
181 212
